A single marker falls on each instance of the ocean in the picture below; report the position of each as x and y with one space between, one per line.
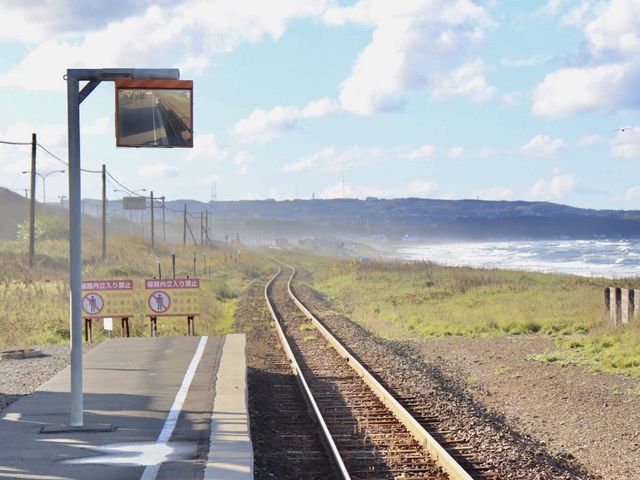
599 258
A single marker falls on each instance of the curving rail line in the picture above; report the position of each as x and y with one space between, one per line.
438 454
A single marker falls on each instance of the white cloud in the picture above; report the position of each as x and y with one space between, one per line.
242 160
329 159
496 193
36 21
632 193
607 71
530 61
157 35
193 65
511 99
577 16
98 127
626 143
416 188
552 7
262 126
207 146
308 162
157 170
555 189
416 45
487 152
466 81
455 152
576 90
425 151
14 159
209 180
590 140
543 145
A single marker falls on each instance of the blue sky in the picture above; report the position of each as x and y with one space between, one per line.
497 100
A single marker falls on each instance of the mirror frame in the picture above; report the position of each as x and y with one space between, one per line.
153 84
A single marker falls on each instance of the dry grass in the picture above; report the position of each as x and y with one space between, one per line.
418 300
34 303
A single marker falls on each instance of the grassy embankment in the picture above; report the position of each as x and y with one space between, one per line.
34 303
419 300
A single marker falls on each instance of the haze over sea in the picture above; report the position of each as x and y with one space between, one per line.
602 258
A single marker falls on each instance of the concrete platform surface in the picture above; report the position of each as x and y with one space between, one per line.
158 393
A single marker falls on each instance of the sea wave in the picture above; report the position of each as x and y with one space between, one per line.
602 258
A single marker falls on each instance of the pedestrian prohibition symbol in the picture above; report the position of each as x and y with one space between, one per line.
92 304
159 301
172 297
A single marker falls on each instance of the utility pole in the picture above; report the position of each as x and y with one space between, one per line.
32 209
206 227
153 232
184 226
104 211
201 229
164 223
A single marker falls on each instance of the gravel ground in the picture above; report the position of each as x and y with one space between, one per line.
283 444
513 453
21 377
594 417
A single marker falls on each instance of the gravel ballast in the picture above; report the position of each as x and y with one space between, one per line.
19 377
513 453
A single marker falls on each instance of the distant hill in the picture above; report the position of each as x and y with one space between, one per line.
14 210
439 219
266 220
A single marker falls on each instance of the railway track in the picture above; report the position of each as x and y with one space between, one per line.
368 433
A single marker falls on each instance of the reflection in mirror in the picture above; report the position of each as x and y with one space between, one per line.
148 117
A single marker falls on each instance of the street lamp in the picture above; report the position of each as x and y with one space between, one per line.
44 177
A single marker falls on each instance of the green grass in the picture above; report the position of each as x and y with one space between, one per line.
420 300
34 302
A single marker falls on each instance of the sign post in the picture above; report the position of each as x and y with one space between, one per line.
172 297
75 97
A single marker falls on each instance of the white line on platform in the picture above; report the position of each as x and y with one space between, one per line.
151 471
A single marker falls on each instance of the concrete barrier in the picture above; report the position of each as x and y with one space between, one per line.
627 302
615 300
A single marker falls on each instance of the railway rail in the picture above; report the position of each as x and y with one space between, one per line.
367 432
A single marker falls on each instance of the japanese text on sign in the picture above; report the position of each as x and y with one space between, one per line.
107 298
172 297
173 283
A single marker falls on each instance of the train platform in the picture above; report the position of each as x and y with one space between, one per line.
154 408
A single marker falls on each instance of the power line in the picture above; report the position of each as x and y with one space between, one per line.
6 142
121 185
52 155
114 179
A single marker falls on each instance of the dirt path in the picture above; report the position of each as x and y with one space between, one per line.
593 417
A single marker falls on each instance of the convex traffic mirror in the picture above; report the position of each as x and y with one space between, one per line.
154 113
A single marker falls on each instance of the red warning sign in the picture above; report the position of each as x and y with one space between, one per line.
92 304
107 298
172 297
159 301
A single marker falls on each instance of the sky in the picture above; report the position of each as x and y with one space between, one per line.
449 99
